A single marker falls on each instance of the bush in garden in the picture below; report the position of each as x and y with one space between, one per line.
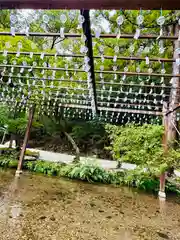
90 173
142 145
142 179
135 144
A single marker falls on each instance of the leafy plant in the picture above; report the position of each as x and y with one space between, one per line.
13 163
135 144
142 145
138 178
9 152
142 179
90 173
4 162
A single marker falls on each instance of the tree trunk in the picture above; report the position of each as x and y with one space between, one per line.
4 135
18 142
11 140
77 158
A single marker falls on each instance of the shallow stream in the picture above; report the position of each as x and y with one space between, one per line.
36 207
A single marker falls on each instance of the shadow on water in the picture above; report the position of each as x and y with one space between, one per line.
38 207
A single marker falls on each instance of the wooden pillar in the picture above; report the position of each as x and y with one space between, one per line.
175 92
162 178
169 116
26 137
165 124
88 42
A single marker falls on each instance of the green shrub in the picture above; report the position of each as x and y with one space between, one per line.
90 173
9 152
4 161
52 169
142 179
12 163
135 144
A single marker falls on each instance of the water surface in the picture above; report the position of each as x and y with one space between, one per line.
37 207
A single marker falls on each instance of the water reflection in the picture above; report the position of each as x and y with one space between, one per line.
8 205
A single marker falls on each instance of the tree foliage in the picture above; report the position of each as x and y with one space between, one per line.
141 145
135 144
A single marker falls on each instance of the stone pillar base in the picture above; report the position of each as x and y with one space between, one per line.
162 194
18 173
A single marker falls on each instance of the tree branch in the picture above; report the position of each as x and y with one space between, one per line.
74 146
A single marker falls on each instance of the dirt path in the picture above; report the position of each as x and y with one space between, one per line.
59 157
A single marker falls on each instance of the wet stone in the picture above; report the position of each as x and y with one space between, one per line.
42 218
52 218
101 211
163 235
92 204
53 198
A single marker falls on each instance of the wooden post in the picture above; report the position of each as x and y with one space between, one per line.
169 117
175 93
88 42
26 137
162 178
165 123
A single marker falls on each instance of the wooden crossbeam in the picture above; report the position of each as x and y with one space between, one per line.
90 4
173 110
77 35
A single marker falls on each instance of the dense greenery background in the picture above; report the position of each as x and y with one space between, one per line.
140 144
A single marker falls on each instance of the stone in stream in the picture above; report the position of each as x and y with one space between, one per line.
42 218
101 210
163 235
52 218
